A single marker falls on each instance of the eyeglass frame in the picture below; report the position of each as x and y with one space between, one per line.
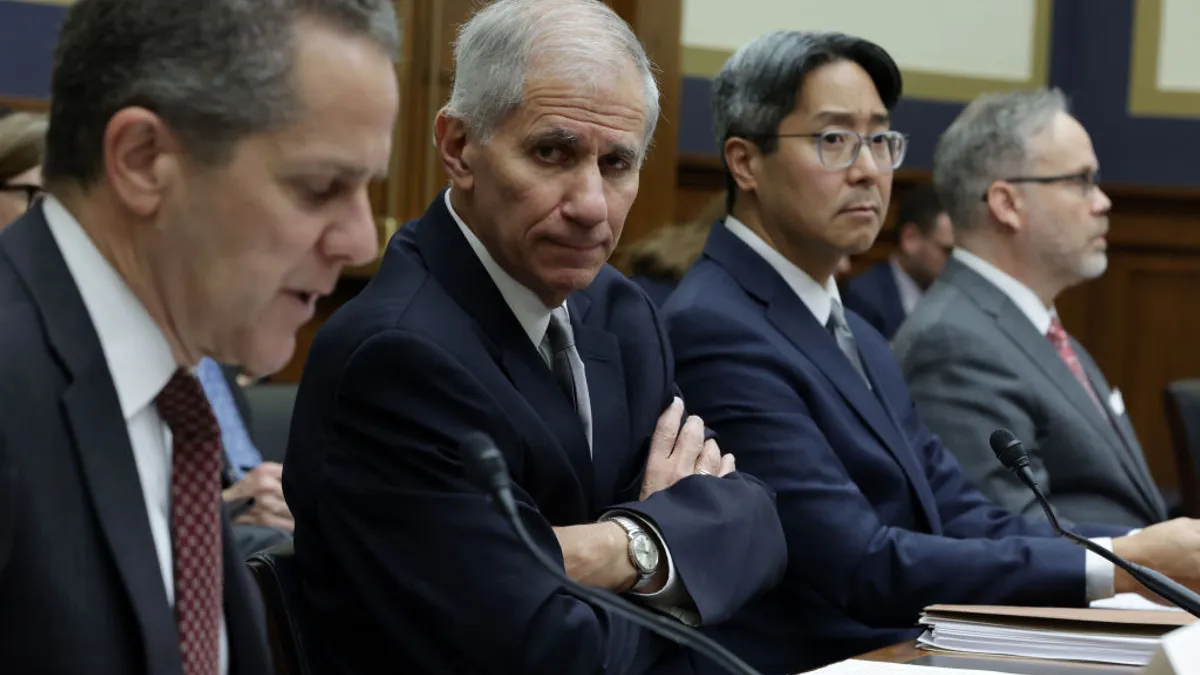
858 145
32 192
1088 179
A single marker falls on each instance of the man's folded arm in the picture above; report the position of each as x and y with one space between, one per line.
724 539
426 548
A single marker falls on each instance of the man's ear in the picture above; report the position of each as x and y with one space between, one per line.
909 237
141 155
1005 203
744 160
450 135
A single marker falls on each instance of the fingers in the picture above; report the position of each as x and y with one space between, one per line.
665 432
709 461
255 517
272 469
728 466
688 446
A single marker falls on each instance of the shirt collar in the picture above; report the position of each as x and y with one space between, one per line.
816 297
531 312
1021 295
910 292
138 354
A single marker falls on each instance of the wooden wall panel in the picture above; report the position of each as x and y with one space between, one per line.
1140 320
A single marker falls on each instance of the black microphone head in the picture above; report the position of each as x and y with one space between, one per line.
1008 450
483 462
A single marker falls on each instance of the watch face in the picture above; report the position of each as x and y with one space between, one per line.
645 553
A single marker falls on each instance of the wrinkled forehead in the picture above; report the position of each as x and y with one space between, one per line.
602 111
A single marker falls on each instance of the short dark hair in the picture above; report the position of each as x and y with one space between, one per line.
759 84
214 70
920 206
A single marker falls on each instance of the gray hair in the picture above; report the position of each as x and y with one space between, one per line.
758 85
989 141
582 39
214 70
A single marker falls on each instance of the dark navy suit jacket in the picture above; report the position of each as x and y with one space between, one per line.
403 562
875 297
880 520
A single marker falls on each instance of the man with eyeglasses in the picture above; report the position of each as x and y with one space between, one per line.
880 520
987 349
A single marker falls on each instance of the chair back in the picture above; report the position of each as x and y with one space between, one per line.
1183 416
274 572
271 417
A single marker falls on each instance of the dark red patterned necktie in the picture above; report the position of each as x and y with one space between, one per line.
195 521
1062 344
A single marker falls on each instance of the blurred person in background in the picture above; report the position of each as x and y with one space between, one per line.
22 143
888 292
659 261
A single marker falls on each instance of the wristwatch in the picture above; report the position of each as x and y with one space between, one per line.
643 552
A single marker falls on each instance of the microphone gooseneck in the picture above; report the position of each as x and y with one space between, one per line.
1012 455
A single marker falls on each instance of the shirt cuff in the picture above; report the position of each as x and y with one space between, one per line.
673 597
1099 573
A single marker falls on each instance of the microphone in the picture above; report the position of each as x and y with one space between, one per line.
1012 455
486 468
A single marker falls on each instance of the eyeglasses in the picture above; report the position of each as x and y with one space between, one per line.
1087 180
31 192
838 148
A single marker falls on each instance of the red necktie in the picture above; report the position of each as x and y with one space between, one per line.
1062 344
195 521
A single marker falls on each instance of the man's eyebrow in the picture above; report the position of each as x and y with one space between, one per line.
555 135
347 171
849 119
625 152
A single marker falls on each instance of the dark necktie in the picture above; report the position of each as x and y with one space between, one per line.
840 330
567 366
196 463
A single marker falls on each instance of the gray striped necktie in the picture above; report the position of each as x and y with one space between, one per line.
567 366
840 330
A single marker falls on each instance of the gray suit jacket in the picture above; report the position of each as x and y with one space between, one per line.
974 362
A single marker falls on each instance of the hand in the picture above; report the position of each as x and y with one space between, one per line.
263 484
676 453
1172 548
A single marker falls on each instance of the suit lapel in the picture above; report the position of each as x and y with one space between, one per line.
1128 448
792 318
1016 325
101 436
456 267
601 355
894 306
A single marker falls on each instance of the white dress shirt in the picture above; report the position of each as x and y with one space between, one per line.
1099 571
910 292
140 364
534 317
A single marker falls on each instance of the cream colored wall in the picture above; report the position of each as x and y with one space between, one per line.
1179 46
972 38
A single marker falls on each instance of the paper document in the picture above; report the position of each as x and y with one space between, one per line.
1119 636
858 667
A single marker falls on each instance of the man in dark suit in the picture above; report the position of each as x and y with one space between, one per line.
887 293
495 312
880 520
986 348
178 223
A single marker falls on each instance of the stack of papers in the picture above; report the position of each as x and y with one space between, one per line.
1121 636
